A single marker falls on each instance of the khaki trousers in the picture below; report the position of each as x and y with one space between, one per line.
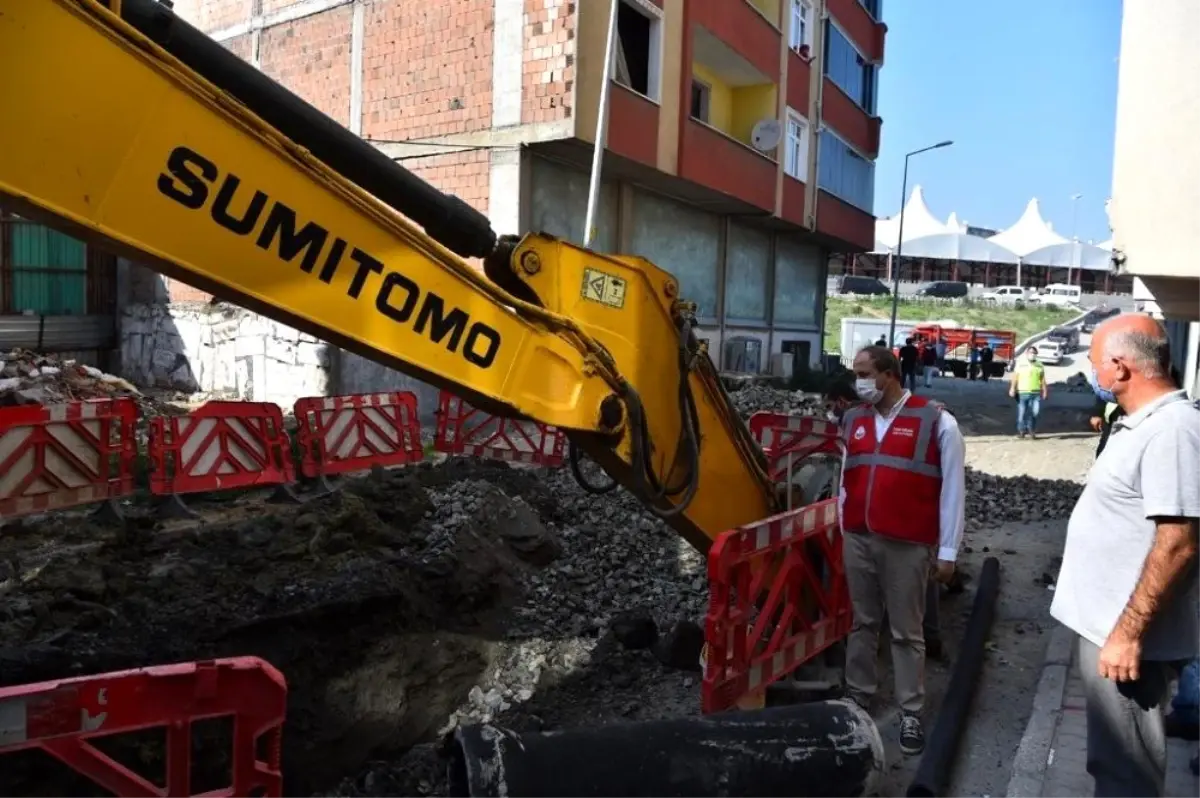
893 576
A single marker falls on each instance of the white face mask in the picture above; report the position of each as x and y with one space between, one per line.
868 391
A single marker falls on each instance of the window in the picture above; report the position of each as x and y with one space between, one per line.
844 173
682 240
747 266
848 70
701 95
795 157
873 7
799 282
638 51
801 28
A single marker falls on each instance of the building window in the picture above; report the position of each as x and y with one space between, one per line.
873 7
639 47
848 70
845 173
701 96
801 28
795 157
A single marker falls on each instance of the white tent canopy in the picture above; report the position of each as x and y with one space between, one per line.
918 222
953 225
1071 255
957 246
1031 232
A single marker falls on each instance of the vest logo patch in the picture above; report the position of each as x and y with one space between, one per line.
860 433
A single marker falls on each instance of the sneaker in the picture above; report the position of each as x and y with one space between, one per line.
1021 436
912 736
863 701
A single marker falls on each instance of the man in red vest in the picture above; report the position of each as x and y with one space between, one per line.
901 505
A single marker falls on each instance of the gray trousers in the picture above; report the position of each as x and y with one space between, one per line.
1126 742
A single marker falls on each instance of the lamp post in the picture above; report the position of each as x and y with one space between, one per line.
900 237
1074 238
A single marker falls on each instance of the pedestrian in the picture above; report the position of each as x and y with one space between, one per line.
908 365
901 510
1028 387
973 363
839 397
1128 584
986 356
941 353
929 362
881 342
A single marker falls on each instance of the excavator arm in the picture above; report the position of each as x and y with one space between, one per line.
124 126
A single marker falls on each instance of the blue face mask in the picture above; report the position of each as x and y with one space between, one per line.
1103 394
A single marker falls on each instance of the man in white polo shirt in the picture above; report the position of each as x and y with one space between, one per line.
1128 584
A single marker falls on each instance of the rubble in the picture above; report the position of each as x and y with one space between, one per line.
29 378
1077 383
755 397
993 500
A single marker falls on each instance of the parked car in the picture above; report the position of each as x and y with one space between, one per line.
1049 352
1058 295
869 286
1006 295
1097 315
944 289
1065 337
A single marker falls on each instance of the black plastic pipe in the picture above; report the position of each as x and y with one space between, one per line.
446 218
942 746
830 748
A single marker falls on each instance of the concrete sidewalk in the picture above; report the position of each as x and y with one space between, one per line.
1052 757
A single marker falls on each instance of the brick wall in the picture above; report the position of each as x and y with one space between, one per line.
549 60
241 46
210 15
427 68
464 174
311 56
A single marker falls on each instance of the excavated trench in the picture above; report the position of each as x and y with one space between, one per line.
382 605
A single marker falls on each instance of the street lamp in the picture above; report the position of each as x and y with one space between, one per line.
900 238
1074 237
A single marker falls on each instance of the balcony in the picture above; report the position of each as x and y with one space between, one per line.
867 34
717 161
742 28
632 125
844 222
850 121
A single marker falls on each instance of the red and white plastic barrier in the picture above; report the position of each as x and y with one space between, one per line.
58 456
788 441
59 717
220 446
341 434
772 607
463 430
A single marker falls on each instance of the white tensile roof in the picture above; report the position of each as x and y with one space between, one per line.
1031 232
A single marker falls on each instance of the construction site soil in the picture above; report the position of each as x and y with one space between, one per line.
397 607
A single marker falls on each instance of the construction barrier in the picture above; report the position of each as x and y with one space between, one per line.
773 605
342 434
461 429
60 717
219 446
58 456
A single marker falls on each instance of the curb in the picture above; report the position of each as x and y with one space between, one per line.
1033 754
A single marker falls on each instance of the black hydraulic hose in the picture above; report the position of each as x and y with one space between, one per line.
829 748
446 218
942 745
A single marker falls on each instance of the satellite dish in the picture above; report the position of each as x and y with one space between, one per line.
766 134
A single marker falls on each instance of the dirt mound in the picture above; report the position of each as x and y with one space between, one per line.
380 605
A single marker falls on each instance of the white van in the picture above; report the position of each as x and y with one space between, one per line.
1058 295
1006 295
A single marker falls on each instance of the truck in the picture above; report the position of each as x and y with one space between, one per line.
1155 201
961 340
860 332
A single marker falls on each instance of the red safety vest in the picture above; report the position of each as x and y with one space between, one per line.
894 486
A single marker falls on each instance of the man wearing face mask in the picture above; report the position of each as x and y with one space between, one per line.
901 506
1028 387
1128 584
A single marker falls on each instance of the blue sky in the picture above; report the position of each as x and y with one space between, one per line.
1027 91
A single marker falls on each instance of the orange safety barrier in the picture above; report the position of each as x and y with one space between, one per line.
58 456
461 429
59 717
789 440
772 608
341 434
220 446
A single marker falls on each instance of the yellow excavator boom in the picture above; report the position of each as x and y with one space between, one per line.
121 124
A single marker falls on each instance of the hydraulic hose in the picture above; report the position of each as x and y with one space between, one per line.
942 746
447 219
830 748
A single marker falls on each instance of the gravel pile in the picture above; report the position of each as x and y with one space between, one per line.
754 398
1077 383
29 378
993 500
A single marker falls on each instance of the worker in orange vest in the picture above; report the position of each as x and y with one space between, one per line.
901 505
